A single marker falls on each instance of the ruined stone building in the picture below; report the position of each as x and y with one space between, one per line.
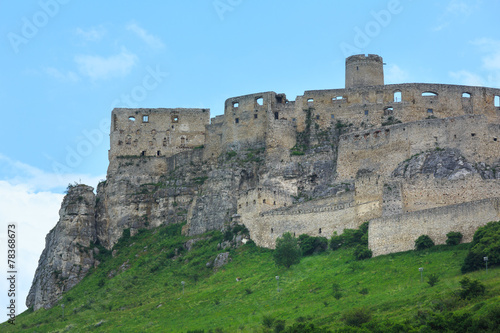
411 158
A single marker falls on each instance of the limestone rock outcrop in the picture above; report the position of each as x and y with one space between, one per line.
68 253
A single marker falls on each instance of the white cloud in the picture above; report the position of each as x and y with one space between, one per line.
456 11
153 41
467 78
93 34
31 198
394 74
35 215
489 72
101 68
69 76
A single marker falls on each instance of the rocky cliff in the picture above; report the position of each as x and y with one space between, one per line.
68 255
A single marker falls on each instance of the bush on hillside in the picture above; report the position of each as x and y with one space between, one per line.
287 251
471 288
310 245
454 238
361 252
486 243
423 242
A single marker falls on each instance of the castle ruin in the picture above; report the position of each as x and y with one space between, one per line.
380 128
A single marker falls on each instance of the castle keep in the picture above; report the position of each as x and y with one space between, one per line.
412 159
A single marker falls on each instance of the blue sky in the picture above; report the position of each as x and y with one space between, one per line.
67 63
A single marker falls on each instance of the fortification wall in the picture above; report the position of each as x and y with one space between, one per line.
398 233
382 149
245 120
372 106
316 218
424 193
156 132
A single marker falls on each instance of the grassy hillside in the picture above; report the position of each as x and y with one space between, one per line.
139 289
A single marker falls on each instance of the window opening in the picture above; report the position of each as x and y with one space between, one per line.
131 118
145 119
466 95
276 115
497 101
430 111
256 116
236 104
237 120
429 94
366 112
397 96
260 101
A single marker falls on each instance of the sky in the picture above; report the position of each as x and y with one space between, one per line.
65 64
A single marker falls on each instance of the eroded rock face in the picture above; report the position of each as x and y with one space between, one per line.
68 253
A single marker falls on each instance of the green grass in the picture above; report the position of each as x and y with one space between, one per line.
147 297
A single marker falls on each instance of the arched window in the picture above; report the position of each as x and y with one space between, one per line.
260 101
466 95
429 94
131 118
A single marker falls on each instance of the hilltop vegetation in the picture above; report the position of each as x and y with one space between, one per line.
139 289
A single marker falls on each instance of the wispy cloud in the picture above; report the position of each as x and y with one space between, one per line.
153 41
467 78
489 72
101 68
93 34
456 10
36 180
69 76
394 74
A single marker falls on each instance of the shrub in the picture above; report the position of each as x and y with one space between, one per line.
310 245
361 252
268 321
336 291
471 288
364 291
486 243
287 251
336 242
356 317
454 238
433 279
423 242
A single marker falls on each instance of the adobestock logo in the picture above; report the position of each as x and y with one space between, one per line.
223 6
31 26
91 139
363 37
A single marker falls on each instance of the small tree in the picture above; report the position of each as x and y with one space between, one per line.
361 252
423 242
287 251
336 241
454 238
433 279
471 288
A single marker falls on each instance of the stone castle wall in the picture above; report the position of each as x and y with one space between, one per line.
398 232
156 132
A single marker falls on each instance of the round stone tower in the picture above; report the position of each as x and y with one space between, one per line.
361 70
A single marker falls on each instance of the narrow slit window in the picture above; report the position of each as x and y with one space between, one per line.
366 112
237 120
276 115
